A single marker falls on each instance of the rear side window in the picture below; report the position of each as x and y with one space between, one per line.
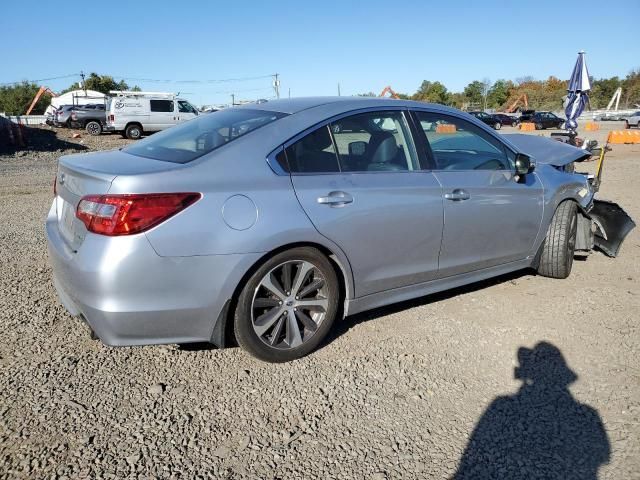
161 105
314 153
190 140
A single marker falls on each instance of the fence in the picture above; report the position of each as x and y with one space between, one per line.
25 119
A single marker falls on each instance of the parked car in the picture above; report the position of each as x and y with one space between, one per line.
490 120
92 118
507 119
133 113
62 116
633 120
543 120
269 222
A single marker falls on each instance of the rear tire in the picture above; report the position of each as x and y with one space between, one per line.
133 132
271 320
556 257
93 128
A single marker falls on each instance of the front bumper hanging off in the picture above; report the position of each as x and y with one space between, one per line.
612 224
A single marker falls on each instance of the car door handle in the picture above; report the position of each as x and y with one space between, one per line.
457 194
336 199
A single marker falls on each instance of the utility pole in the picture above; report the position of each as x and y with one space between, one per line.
276 84
233 99
83 84
338 88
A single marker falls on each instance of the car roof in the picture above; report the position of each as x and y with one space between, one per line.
295 105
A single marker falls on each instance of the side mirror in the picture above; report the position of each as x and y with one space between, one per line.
524 164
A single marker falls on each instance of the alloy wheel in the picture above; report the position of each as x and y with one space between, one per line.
289 304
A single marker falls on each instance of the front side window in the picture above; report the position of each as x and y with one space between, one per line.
186 107
459 145
161 105
190 140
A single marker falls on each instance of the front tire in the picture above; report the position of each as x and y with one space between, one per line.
497 126
288 306
538 126
556 258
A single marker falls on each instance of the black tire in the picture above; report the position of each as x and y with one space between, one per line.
93 127
556 257
497 126
244 324
133 131
627 125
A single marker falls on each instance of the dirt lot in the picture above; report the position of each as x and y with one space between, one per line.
395 393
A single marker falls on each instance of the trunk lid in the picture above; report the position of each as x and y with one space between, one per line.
92 174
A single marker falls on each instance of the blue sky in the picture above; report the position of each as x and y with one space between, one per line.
314 45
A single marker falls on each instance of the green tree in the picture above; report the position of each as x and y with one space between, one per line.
434 92
15 99
602 90
631 89
474 92
101 83
499 93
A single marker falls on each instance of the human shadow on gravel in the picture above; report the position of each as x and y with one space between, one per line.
539 432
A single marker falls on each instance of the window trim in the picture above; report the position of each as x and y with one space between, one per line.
506 147
278 170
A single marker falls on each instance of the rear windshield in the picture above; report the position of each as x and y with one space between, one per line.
190 140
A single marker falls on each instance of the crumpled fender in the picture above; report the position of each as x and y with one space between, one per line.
613 224
543 150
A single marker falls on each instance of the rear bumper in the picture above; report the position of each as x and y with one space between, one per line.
129 295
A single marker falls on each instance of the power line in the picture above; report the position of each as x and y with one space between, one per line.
221 80
41 79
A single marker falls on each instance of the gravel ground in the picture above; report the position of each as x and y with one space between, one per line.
424 389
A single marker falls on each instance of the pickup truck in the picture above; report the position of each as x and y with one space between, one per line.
90 117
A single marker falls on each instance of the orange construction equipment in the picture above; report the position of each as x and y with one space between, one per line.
521 99
527 127
390 91
591 127
41 91
624 136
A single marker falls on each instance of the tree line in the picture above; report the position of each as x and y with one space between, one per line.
542 94
479 94
15 99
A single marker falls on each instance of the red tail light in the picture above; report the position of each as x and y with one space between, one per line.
115 215
112 118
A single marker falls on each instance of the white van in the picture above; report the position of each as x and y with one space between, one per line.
134 113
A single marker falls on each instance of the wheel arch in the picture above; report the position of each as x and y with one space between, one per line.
223 336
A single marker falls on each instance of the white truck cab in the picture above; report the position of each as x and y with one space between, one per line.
134 113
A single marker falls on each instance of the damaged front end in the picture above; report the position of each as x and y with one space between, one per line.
602 224
612 225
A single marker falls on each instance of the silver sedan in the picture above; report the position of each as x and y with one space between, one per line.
266 223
